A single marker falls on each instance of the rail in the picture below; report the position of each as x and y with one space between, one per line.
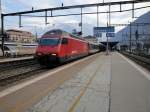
140 59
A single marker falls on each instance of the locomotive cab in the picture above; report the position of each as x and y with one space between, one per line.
59 46
47 50
50 49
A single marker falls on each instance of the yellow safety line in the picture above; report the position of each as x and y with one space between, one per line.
82 92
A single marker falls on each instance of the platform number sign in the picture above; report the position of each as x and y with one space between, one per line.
110 34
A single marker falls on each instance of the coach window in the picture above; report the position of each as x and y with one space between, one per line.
64 41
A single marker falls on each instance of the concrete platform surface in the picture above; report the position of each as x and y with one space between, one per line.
98 83
109 84
20 97
87 91
130 88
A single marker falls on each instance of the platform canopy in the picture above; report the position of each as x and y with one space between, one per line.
111 44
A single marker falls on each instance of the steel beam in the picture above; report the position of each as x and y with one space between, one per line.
97 16
2 33
81 22
20 25
132 24
85 13
130 38
75 6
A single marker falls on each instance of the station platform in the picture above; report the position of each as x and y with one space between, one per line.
5 60
98 83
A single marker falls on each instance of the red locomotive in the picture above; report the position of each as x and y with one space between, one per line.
57 46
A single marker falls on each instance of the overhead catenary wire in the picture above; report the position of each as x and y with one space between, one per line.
86 13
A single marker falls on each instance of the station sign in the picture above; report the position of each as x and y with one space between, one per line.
109 31
104 29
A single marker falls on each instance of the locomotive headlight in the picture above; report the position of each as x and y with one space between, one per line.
53 54
39 54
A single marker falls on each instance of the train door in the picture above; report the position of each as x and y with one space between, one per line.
65 47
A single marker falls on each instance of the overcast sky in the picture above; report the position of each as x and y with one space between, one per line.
30 23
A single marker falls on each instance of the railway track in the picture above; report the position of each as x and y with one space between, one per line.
15 71
16 64
21 71
143 61
10 79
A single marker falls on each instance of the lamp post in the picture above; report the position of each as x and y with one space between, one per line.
108 25
130 38
107 46
2 28
0 7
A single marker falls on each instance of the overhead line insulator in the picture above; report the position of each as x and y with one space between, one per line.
46 18
20 21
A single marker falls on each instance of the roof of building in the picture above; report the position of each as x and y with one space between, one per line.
19 31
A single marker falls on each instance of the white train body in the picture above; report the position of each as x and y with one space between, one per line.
17 49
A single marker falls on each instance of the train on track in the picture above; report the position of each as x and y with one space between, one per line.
57 46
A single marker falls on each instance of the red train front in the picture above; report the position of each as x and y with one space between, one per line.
59 46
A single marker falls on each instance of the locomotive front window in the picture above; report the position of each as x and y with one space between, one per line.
64 41
53 41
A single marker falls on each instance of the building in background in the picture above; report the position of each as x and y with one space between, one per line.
19 36
140 35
